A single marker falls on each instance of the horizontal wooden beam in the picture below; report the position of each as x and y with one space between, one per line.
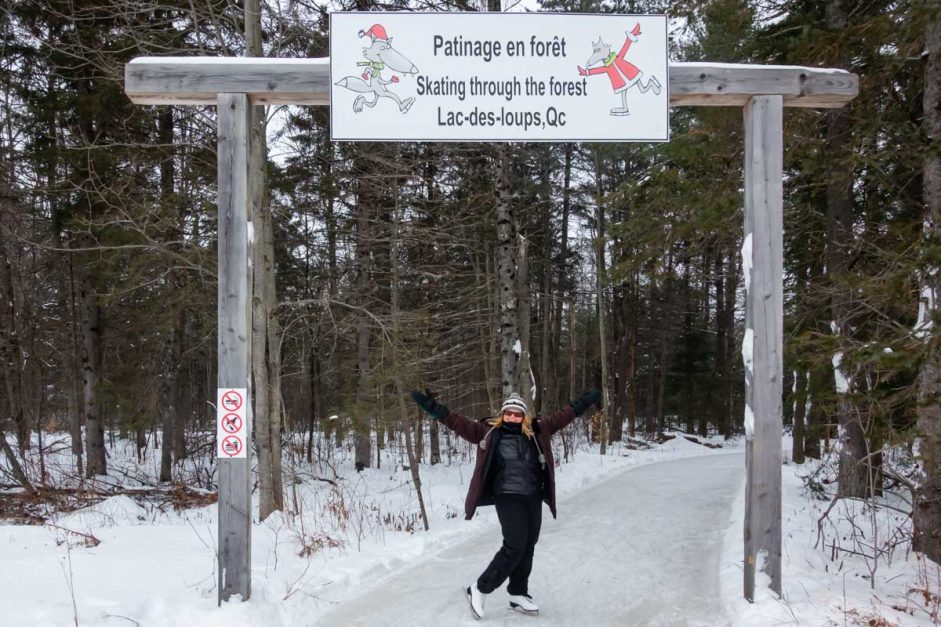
198 80
730 84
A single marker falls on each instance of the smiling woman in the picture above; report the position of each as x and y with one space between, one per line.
516 473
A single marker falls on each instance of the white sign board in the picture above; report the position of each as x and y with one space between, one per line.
498 77
231 427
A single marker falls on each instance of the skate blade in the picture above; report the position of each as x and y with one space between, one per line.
519 609
467 593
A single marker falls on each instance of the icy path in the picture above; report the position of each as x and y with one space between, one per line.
641 548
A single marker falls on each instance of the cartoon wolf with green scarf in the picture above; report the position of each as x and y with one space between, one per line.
622 73
379 56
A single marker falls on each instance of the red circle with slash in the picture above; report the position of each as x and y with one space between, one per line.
231 423
231 401
231 445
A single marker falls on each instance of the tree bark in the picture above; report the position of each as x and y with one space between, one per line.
927 511
506 271
361 423
600 303
266 334
96 463
853 472
800 412
76 377
11 353
526 384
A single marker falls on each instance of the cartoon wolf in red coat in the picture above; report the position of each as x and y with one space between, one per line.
622 73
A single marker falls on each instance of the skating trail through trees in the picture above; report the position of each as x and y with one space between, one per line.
642 548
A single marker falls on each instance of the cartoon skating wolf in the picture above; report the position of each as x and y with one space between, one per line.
622 73
379 55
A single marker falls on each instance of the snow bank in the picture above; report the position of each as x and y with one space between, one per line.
823 583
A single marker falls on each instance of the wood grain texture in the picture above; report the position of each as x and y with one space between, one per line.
764 317
234 543
293 81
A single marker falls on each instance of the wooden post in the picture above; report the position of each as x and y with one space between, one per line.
762 349
234 544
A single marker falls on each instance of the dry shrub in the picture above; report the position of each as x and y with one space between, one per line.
871 619
311 543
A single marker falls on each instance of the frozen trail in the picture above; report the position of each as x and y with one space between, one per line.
641 548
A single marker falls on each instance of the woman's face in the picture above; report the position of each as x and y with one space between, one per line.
512 415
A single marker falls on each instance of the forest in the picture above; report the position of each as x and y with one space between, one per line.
385 267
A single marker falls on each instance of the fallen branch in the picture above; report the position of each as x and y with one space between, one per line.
696 440
15 467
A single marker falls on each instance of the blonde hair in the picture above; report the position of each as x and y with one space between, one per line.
527 425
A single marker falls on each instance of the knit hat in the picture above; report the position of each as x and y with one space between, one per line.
514 401
376 31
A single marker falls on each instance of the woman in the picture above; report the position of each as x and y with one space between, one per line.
514 472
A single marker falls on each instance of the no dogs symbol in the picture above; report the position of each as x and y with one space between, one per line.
231 423
231 445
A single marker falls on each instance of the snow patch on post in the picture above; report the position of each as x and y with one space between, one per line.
518 347
749 423
747 261
748 343
926 305
842 383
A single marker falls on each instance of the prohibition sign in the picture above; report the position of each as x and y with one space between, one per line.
231 401
231 423
231 445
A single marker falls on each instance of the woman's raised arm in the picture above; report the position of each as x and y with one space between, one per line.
470 430
562 418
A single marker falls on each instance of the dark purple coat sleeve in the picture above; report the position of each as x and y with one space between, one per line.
558 420
470 430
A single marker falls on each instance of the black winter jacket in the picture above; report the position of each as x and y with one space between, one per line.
516 463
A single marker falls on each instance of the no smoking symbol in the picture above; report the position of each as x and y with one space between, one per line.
231 423
231 446
232 401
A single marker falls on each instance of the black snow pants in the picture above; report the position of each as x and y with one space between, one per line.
520 518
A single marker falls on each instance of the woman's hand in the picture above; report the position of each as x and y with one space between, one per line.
427 402
586 400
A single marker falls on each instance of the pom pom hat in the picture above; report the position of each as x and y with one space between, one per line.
515 402
376 31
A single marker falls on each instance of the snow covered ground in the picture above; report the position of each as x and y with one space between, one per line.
666 535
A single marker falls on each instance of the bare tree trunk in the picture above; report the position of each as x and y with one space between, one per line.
11 352
927 511
506 269
174 439
547 375
15 466
526 384
599 286
853 472
435 456
266 336
546 372
314 404
490 335
178 428
563 272
573 348
77 404
91 368
800 412
361 423
820 384
413 460
731 288
631 376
